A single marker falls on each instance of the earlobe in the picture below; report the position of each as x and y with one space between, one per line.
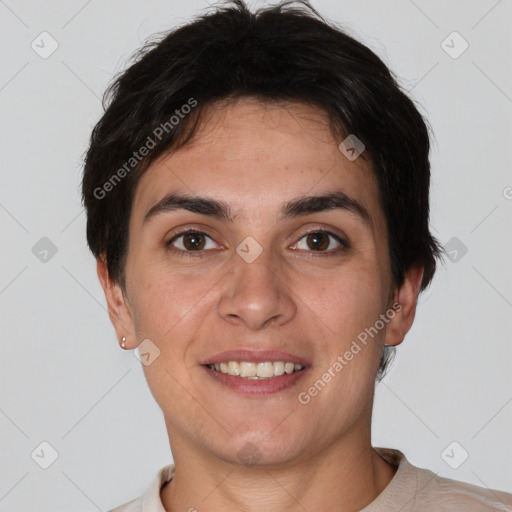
406 296
118 310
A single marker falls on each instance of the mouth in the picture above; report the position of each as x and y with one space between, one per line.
256 373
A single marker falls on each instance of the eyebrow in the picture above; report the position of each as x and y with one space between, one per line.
297 207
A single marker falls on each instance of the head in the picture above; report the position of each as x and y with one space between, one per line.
240 127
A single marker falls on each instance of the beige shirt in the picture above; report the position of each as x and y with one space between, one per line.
412 489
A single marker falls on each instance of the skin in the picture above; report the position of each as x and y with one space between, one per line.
318 456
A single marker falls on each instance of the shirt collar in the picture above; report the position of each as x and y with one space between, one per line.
401 491
151 499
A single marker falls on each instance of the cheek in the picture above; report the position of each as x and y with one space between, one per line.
164 302
347 301
170 307
169 311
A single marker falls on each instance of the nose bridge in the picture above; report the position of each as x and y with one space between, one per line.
255 293
259 274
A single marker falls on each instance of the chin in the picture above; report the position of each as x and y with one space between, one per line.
260 449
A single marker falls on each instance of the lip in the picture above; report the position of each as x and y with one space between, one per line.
255 356
256 387
249 387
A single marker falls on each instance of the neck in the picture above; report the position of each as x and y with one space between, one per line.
346 476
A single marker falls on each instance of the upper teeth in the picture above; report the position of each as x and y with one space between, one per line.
254 370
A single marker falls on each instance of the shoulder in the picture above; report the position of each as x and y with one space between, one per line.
150 501
448 494
416 489
132 506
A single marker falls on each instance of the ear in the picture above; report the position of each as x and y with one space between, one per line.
404 304
118 309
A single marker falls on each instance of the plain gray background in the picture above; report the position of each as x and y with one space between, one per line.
63 378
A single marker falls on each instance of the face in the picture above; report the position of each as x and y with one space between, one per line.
231 259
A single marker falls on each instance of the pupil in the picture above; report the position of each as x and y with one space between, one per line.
193 241
318 240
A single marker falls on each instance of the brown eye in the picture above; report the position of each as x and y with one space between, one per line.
191 241
321 241
318 241
194 241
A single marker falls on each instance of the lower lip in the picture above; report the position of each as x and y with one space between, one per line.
256 386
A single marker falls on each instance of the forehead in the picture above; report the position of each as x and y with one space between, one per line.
254 153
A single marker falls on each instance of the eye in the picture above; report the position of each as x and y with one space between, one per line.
320 241
191 241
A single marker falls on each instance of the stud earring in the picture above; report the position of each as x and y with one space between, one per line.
123 341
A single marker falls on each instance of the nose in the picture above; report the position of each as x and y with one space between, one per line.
256 295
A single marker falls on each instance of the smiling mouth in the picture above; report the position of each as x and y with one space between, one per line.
256 371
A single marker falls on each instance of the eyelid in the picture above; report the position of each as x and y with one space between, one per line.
190 228
186 231
344 244
320 227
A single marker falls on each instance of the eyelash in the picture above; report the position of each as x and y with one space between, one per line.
200 253
181 252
